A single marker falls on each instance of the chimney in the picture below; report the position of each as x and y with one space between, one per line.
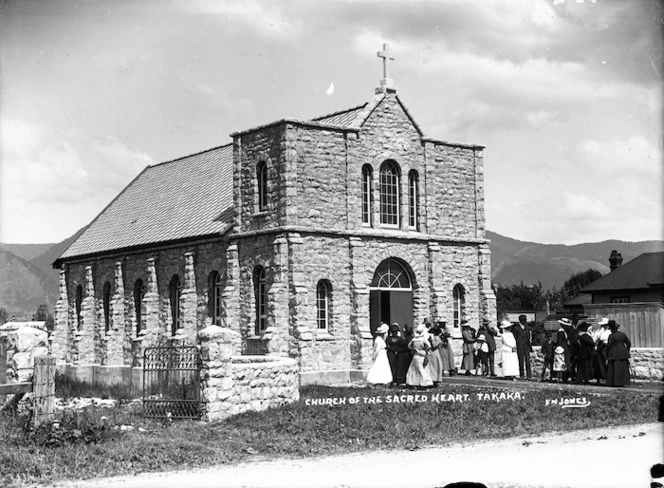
615 260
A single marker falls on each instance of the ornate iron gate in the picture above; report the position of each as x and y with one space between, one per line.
171 383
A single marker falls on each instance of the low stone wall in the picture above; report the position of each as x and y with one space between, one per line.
23 345
231 384
647 363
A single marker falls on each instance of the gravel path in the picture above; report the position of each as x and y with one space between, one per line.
618 457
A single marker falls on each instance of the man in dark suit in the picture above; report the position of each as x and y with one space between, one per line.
523 338
489 333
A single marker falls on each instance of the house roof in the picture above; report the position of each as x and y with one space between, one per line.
581 299
185 198
642 272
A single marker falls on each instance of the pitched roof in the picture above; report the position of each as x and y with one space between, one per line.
188 197
639 273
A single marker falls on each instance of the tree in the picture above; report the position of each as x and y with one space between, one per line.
50 323
4 315
42 312
519 297
572 287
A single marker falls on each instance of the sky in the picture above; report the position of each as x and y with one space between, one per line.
565 95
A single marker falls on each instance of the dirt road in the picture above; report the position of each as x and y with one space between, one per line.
618 457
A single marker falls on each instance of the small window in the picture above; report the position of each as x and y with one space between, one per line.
620 299
459 304
413 195
367 195
174 293
261 177
323 305
139 294
214 298
78 303
260 294
389 194
106 299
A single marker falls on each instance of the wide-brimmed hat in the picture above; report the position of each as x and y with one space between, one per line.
486 322
382 329
420 329
505 324
464 323
559 350
603 321
583 326
565 321
482 337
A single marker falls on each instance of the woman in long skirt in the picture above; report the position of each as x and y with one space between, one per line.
584 370
393 342
418 375
405 355
435 365
380 373
446 353
618 354
510 361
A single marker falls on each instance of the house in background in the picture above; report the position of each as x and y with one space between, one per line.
632 294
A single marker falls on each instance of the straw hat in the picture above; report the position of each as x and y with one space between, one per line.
420 329
505 324
603 321
566 322
383 329
559 350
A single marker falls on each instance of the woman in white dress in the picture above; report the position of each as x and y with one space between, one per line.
418 375
510 361
380 372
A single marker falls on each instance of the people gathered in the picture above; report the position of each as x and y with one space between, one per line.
420 358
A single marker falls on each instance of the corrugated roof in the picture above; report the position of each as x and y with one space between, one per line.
185 198
638 273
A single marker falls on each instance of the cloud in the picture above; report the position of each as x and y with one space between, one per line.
634 157
43 175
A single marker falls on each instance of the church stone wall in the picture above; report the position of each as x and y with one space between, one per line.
451 188
120 345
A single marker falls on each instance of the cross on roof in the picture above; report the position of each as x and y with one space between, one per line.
385 54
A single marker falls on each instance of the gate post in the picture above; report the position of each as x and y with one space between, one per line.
218 346
43 388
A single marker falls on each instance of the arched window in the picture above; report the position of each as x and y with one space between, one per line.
261 179
139 293
390 275
260 295
214 297
78 303
367 195
459 298
323 305
106 299
174 293
389 193
413 195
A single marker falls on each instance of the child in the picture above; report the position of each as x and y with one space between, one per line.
559 362
483 354
547 352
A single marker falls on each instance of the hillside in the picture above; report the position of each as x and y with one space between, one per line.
514 261
26 281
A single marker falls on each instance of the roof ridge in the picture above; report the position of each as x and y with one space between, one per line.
189 155
339 112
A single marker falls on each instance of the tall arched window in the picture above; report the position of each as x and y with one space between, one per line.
323 305
459 298
106 300
261 179
78 303
174 293
214 297
367 194
139 293
260 295
413 195
389 193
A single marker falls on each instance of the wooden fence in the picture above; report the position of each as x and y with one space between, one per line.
642 322
42 386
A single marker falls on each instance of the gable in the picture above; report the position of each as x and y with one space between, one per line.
181 199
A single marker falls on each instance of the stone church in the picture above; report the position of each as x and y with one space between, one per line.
300 235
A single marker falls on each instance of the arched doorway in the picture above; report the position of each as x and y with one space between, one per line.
391 295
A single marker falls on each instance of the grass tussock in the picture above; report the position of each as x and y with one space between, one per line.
90 443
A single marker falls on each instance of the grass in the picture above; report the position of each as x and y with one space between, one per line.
86 445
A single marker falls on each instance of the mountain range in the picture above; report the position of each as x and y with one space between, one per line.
27 278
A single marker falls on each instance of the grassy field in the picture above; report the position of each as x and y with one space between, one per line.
90 443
